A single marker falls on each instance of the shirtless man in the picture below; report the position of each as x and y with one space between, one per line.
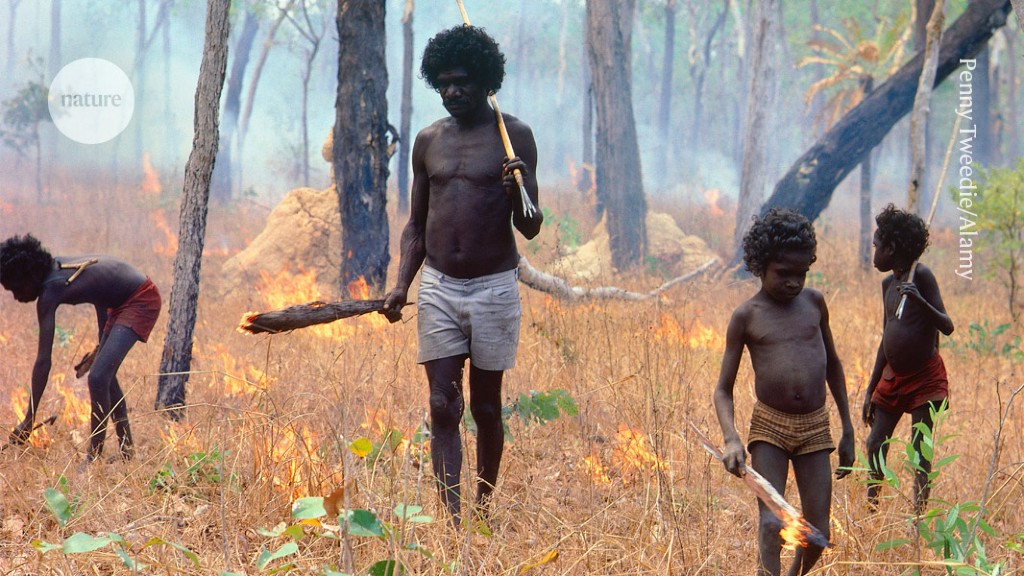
127 304
909 375
785 327
464 205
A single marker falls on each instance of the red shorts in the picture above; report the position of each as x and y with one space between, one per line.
900 393
139 312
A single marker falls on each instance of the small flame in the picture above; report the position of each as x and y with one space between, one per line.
168 246
795 532
712 196
596 469
633 454
150 179
698 337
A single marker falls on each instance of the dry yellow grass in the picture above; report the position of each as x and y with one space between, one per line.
619 489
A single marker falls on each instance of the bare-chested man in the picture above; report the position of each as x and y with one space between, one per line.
909 375
785 327
464 205
127 305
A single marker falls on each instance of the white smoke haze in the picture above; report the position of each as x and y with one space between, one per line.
544 86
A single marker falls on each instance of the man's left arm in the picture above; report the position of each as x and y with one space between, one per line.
526 162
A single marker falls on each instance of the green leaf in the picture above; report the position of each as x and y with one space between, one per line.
266 557
308 508
274 532
364 523
45 547
80 542
361 447
890 544
129 562
404 510
383 568
58 504
183 549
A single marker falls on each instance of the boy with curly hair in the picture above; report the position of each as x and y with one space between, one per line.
785 328
127 304
909 376
464 211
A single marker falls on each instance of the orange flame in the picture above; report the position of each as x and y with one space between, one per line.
169 245
698 337
633 454
794 532
596 469
150 179
291 460
712 196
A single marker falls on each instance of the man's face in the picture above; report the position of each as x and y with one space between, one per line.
460 93
22 291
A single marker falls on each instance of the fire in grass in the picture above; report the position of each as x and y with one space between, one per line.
632 457
315 314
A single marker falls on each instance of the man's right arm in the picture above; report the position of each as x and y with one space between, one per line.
46 311
412 246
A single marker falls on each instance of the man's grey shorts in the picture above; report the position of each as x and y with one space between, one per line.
476 316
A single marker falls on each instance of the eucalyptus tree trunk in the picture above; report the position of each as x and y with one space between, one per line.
177 355
617 159
665 97
360 155
753 179
866 219
919 114
220 186
405 123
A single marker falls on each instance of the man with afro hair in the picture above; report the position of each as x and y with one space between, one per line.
127 304
785 328
909 375
464 210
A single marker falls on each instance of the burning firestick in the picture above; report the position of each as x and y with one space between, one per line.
795 529
303 315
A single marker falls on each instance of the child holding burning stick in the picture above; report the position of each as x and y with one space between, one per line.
785 328
909 375
127 305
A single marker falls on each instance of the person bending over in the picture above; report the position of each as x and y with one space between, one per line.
127 305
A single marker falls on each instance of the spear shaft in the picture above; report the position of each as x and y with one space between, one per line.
528 208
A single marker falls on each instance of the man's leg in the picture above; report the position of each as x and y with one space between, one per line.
922 486
485 405
120 415
878 449
446 407
111 353
771 462
814 481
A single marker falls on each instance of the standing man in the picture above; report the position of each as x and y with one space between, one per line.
464 204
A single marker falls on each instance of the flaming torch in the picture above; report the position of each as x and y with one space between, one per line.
795 529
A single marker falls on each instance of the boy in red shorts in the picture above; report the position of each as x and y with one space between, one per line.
908 376
127 305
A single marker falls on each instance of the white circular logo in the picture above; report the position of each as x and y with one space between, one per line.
91 100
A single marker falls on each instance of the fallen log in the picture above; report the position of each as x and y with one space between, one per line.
560 288
303 315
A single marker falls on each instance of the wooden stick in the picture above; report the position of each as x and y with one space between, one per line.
528 208
931 211
763 489
303 315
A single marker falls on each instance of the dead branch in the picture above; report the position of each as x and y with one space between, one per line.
560 288
303 315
